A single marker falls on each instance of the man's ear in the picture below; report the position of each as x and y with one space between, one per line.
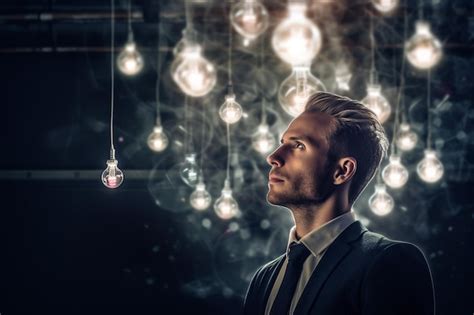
345 170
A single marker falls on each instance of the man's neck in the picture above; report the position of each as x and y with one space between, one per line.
312 217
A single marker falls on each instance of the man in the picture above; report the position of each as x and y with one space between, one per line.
333 264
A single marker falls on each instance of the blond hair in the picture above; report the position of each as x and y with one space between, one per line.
356 132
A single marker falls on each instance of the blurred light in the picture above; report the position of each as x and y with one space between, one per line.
157 140
295 90
423 50
225 206
430 169
395 175
130 61
200 199
230 111
263 140
249 18
296 40
381 203
189 170
406 138
112 176
376 102
193 73
385 6
343 77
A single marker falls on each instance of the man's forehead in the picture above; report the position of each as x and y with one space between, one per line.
312 125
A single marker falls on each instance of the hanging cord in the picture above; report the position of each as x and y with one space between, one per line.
229 66
400 92
373 73
112 74
186 135
401 96
190 34
420 9
228 153
158 75
203 135
129 17
264 110
428 109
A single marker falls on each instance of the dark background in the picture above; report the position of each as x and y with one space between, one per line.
71 246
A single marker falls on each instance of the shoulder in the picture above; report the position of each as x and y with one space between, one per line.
269 267
378 246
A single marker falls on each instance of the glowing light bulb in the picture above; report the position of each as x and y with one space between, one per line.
263 140
157 140
225 206
200 199
430 169
395 175
193 73
423 50
130 61
249 18
295 90
189 170
296 40
381 203
406 138
112 176
385 6
343 77
230 111
376 102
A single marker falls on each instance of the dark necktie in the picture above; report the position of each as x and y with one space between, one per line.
297 254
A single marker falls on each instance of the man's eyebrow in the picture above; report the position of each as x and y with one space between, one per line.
296 138
303 138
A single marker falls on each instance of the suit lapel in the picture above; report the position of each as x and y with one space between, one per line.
334 254
273 274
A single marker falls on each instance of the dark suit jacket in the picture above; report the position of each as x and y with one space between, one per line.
360 273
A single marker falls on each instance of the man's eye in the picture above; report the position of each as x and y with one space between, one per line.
299 145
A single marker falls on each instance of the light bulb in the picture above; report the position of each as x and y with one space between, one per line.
112 176
225 206
193 73
200 199
230 111
263 140
295 90
423 50
385 6
395 175
296 40
157 140
189 170
249 18
406 138
430 169
130 61
381 203
376 102
343 77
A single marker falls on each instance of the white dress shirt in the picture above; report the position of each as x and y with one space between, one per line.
317 241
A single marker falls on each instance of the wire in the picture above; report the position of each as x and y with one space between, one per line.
112 74
129 16
158 74
400 90
228 153
428 109
230 51
372 50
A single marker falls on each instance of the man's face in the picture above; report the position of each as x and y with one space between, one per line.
300 173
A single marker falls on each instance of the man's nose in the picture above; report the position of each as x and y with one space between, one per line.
275 159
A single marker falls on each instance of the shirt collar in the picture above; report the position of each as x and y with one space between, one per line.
319 239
